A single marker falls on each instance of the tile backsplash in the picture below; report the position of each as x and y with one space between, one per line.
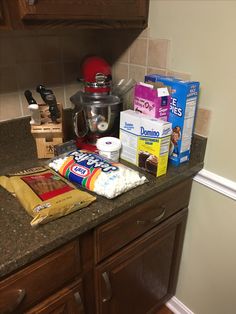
202 123
52 58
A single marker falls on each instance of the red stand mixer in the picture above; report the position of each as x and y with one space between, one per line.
96 111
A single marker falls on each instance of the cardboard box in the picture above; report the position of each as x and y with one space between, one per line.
184 98
152 99
129 134
145 141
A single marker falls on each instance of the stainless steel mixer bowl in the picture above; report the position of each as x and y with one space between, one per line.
96 114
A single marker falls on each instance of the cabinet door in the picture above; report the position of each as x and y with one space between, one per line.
116 233
66 301
4 17
89 12
45 276
1 14
143 275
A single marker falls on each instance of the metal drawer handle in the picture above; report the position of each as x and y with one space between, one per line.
153 220
31 2
79 301
108 287
12 299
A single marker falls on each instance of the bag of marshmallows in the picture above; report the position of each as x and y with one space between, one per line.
96 173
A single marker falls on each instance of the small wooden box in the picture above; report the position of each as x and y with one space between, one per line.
47 134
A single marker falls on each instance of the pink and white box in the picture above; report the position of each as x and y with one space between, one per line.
152 100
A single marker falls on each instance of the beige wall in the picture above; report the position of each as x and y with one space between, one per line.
203 43
202 36
207 276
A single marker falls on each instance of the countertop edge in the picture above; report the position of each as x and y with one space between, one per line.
32 256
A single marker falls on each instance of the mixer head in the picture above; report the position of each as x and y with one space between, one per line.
96 75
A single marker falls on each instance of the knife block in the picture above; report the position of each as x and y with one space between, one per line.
48 134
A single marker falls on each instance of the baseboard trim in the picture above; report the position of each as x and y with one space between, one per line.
217 183
177 307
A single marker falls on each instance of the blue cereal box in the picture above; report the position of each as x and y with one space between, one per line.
184 98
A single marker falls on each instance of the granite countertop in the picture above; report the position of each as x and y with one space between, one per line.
21 244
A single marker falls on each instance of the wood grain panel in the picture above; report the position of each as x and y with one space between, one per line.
128 226
45 276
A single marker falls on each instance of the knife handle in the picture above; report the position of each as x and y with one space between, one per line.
29 97
50 100
35 114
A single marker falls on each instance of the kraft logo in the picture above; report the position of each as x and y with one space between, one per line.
149 133
80 171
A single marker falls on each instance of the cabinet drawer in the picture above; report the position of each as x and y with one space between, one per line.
43 277
113 235
67 300
140 277
83 10
4 16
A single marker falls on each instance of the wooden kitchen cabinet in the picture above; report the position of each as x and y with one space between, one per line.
139 278
77 13
137 254
116 233
67 301
128 264
4 16
41 279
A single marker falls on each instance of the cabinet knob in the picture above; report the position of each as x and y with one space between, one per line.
153 220
108 287
10 300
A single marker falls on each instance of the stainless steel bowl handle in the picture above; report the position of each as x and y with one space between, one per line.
80 131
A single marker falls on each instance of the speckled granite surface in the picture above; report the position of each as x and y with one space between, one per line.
20 244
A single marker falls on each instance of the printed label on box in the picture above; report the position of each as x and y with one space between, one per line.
184 98
150 147
152 101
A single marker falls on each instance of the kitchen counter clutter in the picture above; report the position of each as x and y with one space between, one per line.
21 245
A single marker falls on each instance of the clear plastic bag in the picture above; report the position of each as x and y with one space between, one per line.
96 173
